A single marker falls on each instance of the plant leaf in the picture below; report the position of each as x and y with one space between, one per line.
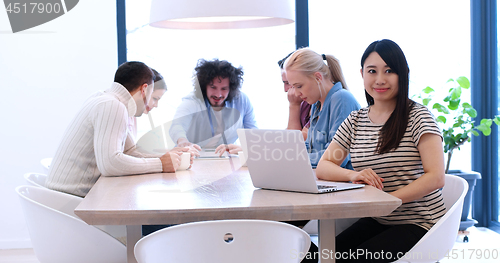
497 120
471 112
441 119
440 108
456 93
486 131
485 126
453 104
426 101
466 105
463 82
428 90
475 132
458 122
487 122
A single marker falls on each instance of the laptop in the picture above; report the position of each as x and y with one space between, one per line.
278 160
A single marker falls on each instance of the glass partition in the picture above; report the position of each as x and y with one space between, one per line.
174 54
435 36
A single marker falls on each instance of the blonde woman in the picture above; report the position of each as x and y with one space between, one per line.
319 81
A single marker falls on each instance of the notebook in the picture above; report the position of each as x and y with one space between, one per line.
209 153
278 160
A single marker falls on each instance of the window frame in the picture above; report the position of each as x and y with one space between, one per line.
484 94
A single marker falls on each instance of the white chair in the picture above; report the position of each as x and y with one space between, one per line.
117 231
46 164
57 235
439 240
225 241
35 179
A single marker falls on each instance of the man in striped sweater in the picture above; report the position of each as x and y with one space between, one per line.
96 142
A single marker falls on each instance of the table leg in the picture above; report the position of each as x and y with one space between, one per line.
326 238
134 233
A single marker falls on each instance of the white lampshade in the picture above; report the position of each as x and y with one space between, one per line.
220 14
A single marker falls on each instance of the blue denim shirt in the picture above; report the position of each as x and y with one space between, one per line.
194 119
339 103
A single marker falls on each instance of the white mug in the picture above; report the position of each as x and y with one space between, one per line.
243 158
185 161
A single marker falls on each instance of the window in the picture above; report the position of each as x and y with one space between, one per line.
174 54
435 36
485 82
496 177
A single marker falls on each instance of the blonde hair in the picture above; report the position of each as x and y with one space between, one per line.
309 62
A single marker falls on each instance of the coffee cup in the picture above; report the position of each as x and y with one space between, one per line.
185 161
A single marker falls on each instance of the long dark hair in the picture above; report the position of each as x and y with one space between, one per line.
394 129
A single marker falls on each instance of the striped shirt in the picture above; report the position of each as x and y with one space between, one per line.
399 167
97 143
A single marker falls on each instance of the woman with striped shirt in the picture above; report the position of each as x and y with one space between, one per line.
395 146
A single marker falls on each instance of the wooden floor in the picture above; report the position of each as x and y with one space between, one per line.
483 247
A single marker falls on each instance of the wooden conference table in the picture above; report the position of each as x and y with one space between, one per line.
216 190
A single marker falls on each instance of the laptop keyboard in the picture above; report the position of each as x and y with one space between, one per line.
320 187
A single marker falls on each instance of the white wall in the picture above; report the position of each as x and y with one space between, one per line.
45 75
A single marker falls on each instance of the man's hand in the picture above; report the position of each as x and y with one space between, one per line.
190 149
170 161
183 142
193 151
231 148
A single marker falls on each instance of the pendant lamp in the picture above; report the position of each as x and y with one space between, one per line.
221 14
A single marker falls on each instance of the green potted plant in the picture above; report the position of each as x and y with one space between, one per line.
458 119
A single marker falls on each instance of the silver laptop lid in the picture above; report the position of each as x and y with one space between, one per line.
278 159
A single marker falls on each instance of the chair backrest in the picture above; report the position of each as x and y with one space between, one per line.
35 179
225 241
439 240
57 235
46 163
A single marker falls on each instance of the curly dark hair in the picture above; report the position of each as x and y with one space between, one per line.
281 63
206 71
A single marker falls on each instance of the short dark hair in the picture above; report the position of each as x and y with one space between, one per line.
133 74
158 77
395 127
207 71
281 63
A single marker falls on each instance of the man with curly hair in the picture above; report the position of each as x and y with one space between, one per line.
210 115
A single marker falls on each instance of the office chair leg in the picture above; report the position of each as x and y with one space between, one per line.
465 233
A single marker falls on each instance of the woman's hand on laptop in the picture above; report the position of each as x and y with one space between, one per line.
230 148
